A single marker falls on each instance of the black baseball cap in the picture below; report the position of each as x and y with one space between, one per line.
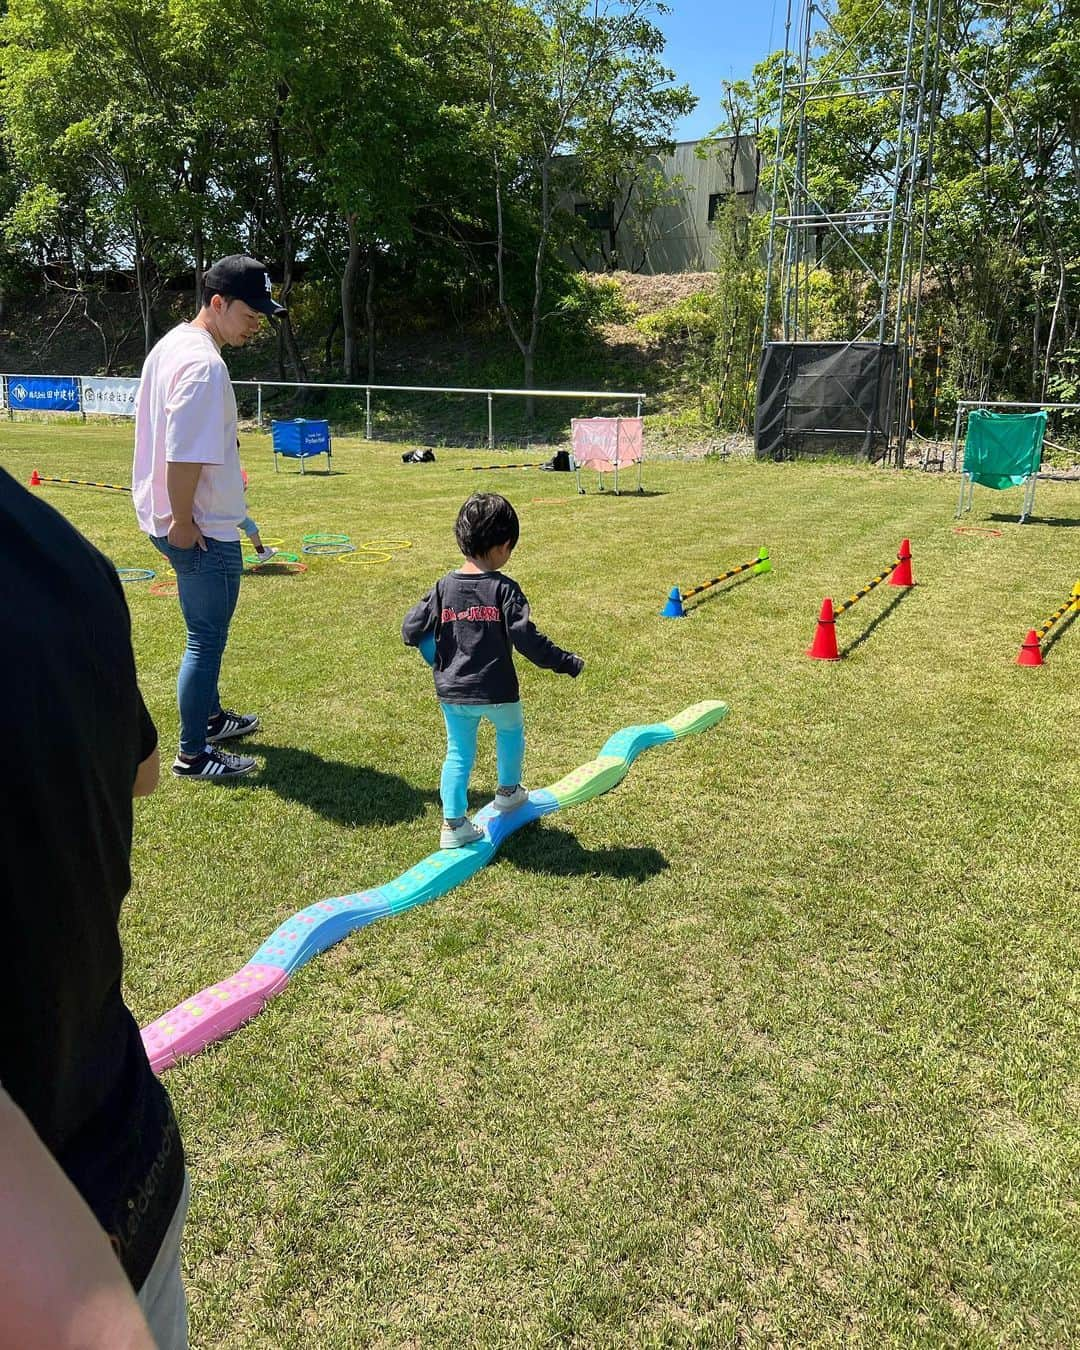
243 278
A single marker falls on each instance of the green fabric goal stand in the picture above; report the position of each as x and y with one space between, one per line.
1002 450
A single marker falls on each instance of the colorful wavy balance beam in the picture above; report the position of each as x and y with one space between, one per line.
222 1008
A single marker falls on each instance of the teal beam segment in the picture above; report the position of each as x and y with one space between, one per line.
631 741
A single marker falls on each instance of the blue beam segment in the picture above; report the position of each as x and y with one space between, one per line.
293 943
499 825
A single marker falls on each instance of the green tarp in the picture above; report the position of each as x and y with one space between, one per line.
1002 449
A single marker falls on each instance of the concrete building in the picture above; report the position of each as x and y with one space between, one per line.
658 218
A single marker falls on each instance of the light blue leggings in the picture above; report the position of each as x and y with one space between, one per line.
462 723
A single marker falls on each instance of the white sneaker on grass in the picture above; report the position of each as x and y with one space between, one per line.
510 801
265 554
457 836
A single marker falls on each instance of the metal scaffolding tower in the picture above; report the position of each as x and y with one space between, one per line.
877 229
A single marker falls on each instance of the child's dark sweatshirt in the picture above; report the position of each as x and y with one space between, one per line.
477 619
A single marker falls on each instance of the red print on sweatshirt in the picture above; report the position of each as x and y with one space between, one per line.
474 614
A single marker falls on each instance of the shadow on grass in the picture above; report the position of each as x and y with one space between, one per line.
558 852
622 492
271 569
1061 522
1059 630
709 596
868 631
351 794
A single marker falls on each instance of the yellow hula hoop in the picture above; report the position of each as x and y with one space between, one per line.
366 559
386 545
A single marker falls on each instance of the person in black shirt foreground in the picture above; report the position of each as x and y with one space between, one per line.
75 1082
476 617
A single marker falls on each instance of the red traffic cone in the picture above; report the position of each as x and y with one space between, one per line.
901 573
35 479
1030 651
823 647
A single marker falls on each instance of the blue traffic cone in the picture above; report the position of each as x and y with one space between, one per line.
673 609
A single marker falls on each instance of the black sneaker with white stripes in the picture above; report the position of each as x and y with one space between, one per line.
228 724
214 764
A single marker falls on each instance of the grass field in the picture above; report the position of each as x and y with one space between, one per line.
775 1045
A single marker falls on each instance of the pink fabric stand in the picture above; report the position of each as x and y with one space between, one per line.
607 444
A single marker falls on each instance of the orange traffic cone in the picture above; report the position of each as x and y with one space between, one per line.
35 479
901 573
1030 651
823 647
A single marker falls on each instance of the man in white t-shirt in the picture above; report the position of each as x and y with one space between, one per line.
189 496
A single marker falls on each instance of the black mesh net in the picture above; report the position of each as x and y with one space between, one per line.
825 398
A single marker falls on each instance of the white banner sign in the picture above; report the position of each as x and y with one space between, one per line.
107 394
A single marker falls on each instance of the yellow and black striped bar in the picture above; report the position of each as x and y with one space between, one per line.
1073 602
484 468
854 599
84 482
724 576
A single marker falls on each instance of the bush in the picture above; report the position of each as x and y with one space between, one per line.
589 300
694 318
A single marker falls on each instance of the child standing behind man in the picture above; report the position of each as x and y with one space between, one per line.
476 616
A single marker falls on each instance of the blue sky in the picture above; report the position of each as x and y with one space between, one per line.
713 40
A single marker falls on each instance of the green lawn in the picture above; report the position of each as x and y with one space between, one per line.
774 1045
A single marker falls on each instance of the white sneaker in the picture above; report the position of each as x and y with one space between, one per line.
265 554
510 801
457 836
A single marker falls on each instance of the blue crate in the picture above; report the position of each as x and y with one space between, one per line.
301 438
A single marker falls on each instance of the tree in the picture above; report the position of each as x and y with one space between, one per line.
616 158
573 88
101 114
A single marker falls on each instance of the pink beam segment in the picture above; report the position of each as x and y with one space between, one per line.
214 1012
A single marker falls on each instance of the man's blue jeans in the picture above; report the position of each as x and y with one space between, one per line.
208 581
462 723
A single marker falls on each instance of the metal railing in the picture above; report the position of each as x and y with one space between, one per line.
490 394
637 397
